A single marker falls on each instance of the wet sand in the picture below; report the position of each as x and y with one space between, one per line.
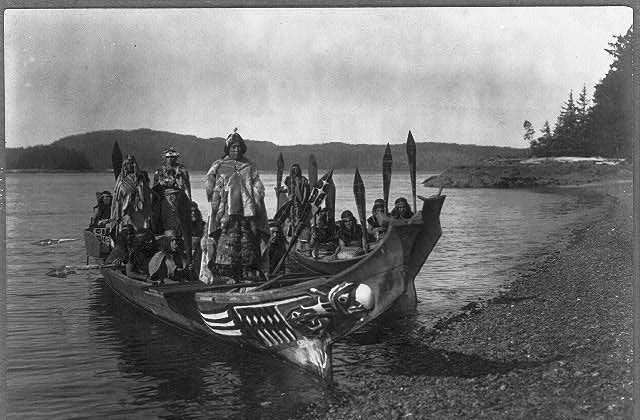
557 344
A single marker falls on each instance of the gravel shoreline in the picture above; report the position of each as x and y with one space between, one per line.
557 344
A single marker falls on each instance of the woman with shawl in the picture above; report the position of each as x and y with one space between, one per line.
172 207
238 220
128 206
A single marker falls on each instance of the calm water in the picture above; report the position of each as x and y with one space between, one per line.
74 350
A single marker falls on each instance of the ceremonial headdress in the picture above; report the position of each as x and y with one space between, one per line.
170 152
235 138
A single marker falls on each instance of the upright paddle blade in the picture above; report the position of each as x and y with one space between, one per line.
116 160
283 212
313 170
321 190
358 192
411 154
280 165
280 169
387 164
330 205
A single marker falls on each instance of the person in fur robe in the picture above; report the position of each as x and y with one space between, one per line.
237 224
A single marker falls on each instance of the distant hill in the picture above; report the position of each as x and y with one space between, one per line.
198 153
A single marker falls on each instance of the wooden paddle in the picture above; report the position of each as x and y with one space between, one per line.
311 203
280 170
387 164
411 155
49 242
65 270
359 193
116 160
330 204
313 170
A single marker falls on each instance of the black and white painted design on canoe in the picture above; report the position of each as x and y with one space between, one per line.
266 323
221 323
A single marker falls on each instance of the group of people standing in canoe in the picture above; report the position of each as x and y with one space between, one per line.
159 232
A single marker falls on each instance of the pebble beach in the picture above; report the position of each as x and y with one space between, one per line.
556 344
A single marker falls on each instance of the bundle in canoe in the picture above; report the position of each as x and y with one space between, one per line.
300 320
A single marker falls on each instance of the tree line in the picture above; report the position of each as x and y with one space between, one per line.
52 157
198 153
601 126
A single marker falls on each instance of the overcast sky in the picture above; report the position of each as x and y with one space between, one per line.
291 76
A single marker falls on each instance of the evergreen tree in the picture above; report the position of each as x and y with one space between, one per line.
543 143
610 123
564 133
582 116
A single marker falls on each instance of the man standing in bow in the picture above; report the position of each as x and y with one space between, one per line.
237 221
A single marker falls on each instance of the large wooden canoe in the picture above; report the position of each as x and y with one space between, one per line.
299 322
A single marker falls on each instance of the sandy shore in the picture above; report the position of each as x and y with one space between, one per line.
557 344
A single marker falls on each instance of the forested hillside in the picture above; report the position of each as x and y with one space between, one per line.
198 154
53 157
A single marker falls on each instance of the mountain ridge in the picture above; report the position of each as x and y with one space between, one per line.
198 153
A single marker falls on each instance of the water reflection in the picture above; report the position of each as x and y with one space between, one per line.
186 374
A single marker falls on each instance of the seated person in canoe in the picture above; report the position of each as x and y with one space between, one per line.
102 210
401 209
324 241
168 263
378 222
134 250
349 235
277 246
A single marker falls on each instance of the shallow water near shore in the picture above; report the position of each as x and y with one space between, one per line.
76 351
